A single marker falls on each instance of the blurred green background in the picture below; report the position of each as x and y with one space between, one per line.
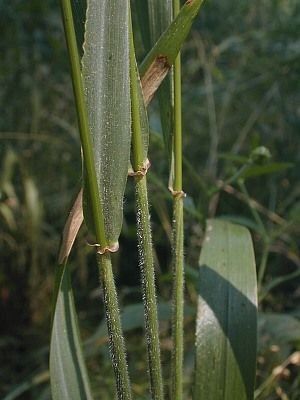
241 73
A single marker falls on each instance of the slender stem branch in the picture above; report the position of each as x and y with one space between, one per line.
145 240
113 320
276 282
262 267
253 210
178 237
265 238
85 136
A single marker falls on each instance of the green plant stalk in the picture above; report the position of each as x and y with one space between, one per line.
262 267
177 126
85 136
276 282
148 287
104 261
178 236
145 240
178 301
137 140
113 320
253 211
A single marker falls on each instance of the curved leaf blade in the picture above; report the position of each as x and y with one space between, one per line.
68 374
226 332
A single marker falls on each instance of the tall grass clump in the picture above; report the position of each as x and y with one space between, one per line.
112 93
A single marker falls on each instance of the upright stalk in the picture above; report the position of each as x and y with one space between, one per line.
145 238
117 346
178 236
113 320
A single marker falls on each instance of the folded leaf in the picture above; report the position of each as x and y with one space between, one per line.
227 315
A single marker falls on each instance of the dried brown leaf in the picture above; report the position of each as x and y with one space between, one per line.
154 77
71 229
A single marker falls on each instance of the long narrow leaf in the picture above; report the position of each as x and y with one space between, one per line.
227 315
105 69
69 379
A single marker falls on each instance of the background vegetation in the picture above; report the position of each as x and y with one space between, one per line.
241 69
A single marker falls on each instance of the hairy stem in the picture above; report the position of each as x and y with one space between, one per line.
113 320
148 287
145 239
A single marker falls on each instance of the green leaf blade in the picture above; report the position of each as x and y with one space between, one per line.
227 315
105 69
68 374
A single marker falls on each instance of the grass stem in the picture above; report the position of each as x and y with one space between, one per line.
178 236
178 301
148 287
113 320
145 238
